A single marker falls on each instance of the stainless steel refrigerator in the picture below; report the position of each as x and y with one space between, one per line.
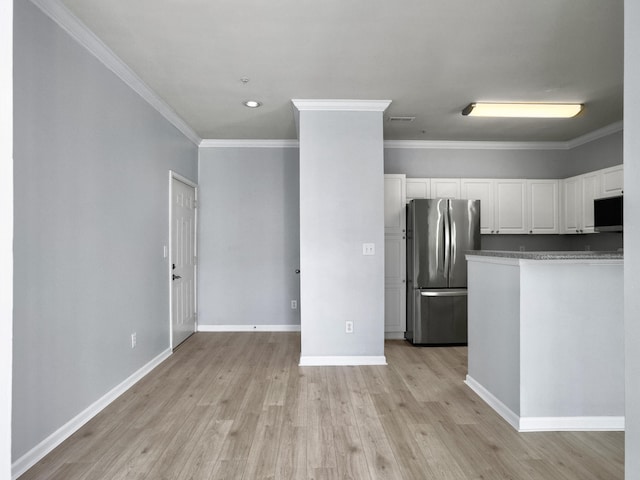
439 233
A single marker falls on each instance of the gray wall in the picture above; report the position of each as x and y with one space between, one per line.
341 207
468 163
6 231
601 153
91 219
249 236
632 236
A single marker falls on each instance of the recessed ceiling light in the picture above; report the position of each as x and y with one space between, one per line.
523 110
252 104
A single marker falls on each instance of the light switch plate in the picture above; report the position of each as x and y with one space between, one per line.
368 249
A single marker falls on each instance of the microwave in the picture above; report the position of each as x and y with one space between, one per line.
607 214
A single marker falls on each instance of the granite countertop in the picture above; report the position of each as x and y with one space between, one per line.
569 255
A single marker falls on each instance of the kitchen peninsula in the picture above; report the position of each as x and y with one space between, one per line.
546 338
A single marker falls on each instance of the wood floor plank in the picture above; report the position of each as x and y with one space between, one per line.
350 457
291 462
237 405
441 459
202 456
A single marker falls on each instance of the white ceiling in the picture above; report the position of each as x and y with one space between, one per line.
430 57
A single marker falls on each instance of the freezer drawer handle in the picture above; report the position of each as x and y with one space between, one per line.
445 293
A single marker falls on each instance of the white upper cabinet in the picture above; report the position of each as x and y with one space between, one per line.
578 194
481 189
514 206
591 188
543 200
517 206
445 188
394 203
418 188
511 206
612 181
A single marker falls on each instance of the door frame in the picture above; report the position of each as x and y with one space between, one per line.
176 176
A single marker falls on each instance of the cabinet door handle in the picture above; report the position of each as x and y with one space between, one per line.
530 231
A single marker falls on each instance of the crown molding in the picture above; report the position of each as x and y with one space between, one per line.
596 134
212 143
473 145
61 15
435 144
342 105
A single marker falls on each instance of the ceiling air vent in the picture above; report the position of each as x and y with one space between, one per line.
401 119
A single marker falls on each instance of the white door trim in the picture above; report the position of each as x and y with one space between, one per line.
176 176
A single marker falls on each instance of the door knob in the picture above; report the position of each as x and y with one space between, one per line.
175 277
297 270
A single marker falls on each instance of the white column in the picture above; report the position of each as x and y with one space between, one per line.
341 210
632 236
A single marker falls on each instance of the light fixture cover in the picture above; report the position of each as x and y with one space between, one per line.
252 103
523 110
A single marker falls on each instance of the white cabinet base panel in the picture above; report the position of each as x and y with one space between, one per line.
394 335
546 424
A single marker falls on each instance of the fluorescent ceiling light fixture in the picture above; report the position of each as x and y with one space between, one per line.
523 110
251 104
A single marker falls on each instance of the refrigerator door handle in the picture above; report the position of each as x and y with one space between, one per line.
453 241
458 292
447 242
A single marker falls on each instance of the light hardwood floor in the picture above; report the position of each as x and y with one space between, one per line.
237 406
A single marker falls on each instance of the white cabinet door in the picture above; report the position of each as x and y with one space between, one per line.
445 188
571 205
543 206
578 194
394 203
418 188
612 181
590 191
511 206
395 286
481 189
395 255
395 312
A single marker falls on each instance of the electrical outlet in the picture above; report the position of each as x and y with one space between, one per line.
348 326
134 340
522 248
294 304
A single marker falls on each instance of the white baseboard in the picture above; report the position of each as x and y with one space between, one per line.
34 455
333 361
571 424
505 412
546 424
394 335
248 328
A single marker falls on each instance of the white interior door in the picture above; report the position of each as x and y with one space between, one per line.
183 260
